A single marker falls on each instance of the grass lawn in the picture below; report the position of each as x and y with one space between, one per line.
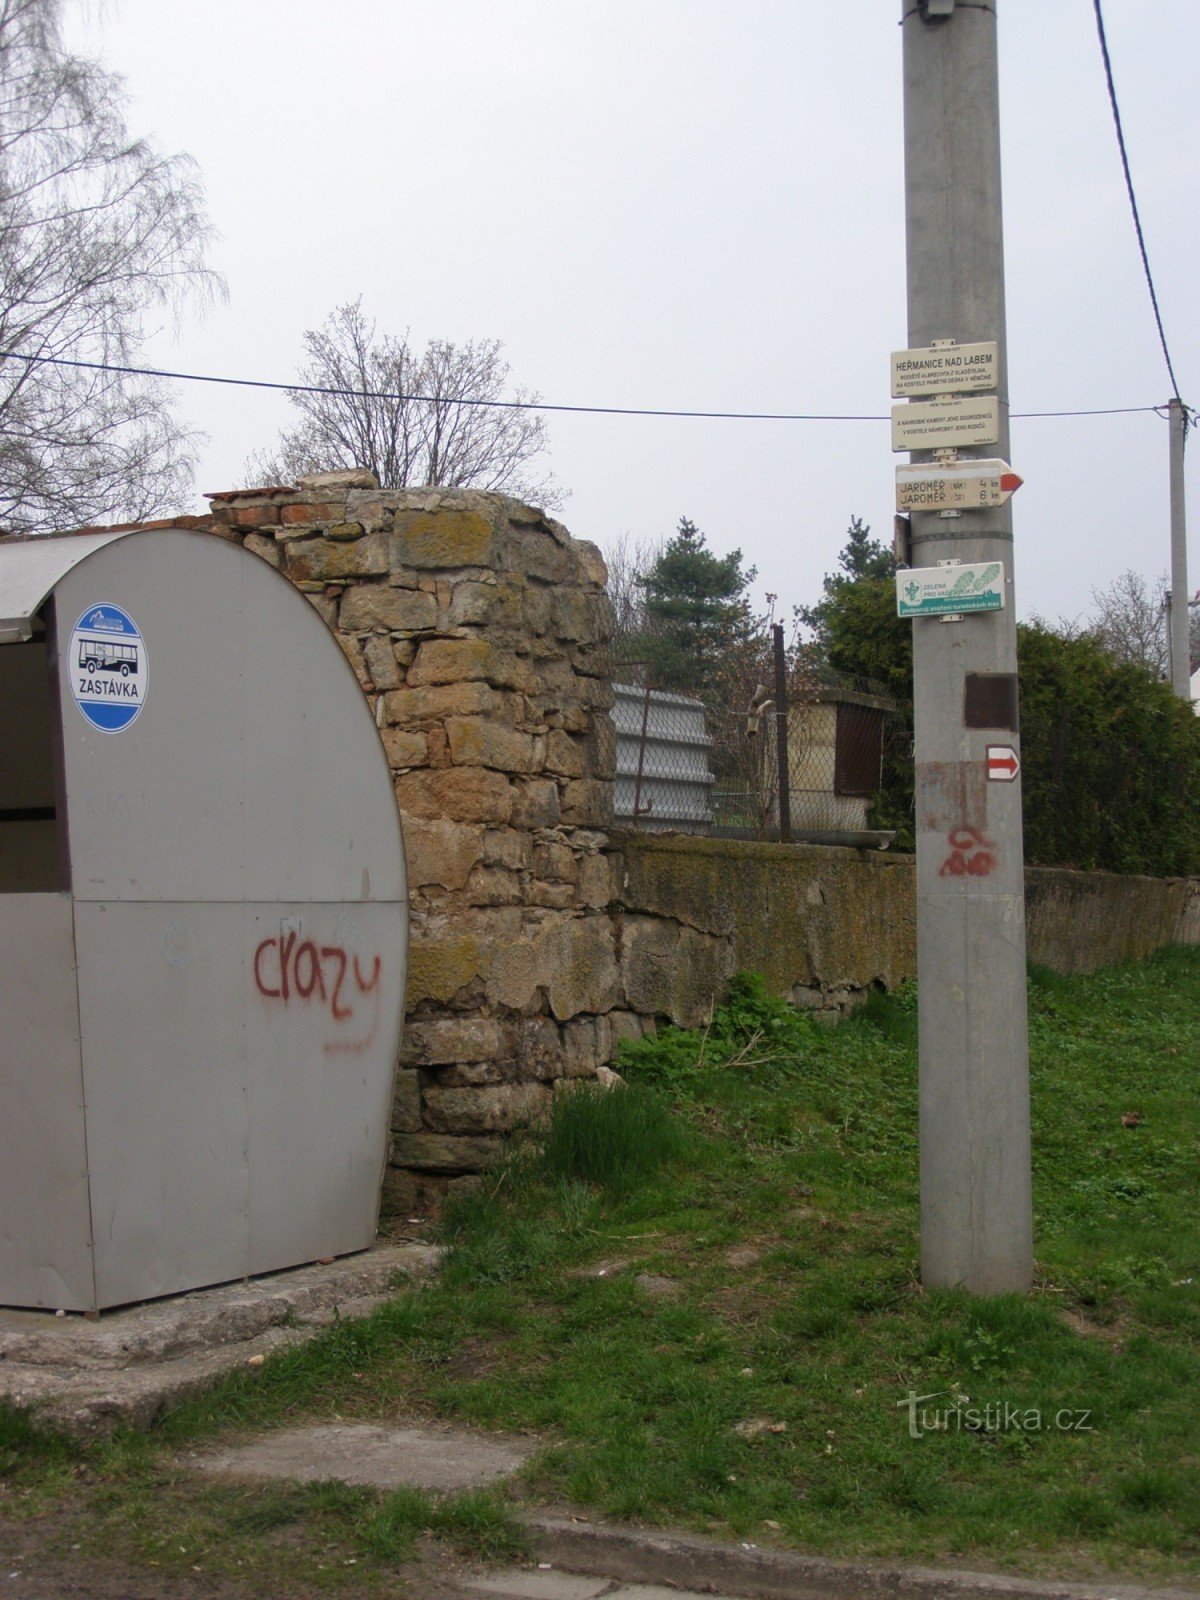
702 1294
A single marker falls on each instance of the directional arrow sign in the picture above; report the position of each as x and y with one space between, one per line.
1003 763
957 486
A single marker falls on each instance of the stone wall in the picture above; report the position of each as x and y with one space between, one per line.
479 630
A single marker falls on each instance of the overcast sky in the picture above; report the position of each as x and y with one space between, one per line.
693 204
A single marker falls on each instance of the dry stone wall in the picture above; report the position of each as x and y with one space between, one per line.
479 631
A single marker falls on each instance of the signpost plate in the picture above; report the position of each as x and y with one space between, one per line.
945 369
1003 763
943 424
957 486
942 591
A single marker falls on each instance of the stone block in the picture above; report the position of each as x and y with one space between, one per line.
439 1152
577 963
406 1102
325 608
339 478
507 847
704 968
535 803
581 617
559 896
404 748
444 538
266 548
439 967
537 610
439 851
353 654
493 886
566 755
381 662
325 560
581 1054
344 532
480 741
456 660
540 1051
474 602
487 1109
537 555
596 881
587 803
461 794
466 1074
648 958
448 1041
595 571
551 859
408 706
368 607
602 748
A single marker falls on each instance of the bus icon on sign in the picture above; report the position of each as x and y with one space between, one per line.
109 655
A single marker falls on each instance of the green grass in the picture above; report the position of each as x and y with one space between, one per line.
768 1166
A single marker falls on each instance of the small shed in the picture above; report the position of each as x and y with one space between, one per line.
203 920
835 760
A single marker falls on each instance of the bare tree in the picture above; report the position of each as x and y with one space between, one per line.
1130 621
628 561
97 230
412 419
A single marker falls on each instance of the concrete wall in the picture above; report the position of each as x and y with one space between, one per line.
827 925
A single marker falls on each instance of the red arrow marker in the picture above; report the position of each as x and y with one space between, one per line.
1010 482
1003 763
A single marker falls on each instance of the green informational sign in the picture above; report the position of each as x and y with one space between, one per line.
942 591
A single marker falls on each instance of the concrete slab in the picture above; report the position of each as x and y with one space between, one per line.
87 1376
443 1460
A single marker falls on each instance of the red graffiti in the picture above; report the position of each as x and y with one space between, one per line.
972 854
293 969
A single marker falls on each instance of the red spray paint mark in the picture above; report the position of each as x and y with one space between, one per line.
289 969
972 854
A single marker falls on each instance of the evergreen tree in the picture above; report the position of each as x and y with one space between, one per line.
696 609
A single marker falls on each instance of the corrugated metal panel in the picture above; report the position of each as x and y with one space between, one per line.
676 776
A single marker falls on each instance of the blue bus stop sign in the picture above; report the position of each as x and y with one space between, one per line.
108 668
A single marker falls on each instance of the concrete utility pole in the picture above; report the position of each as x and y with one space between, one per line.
1181 667
976 1222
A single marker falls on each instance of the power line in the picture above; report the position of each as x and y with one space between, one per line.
519 405
1133 205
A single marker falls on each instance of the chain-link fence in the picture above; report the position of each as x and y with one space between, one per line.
758 746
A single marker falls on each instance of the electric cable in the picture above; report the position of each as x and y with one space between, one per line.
516 405
1133 205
